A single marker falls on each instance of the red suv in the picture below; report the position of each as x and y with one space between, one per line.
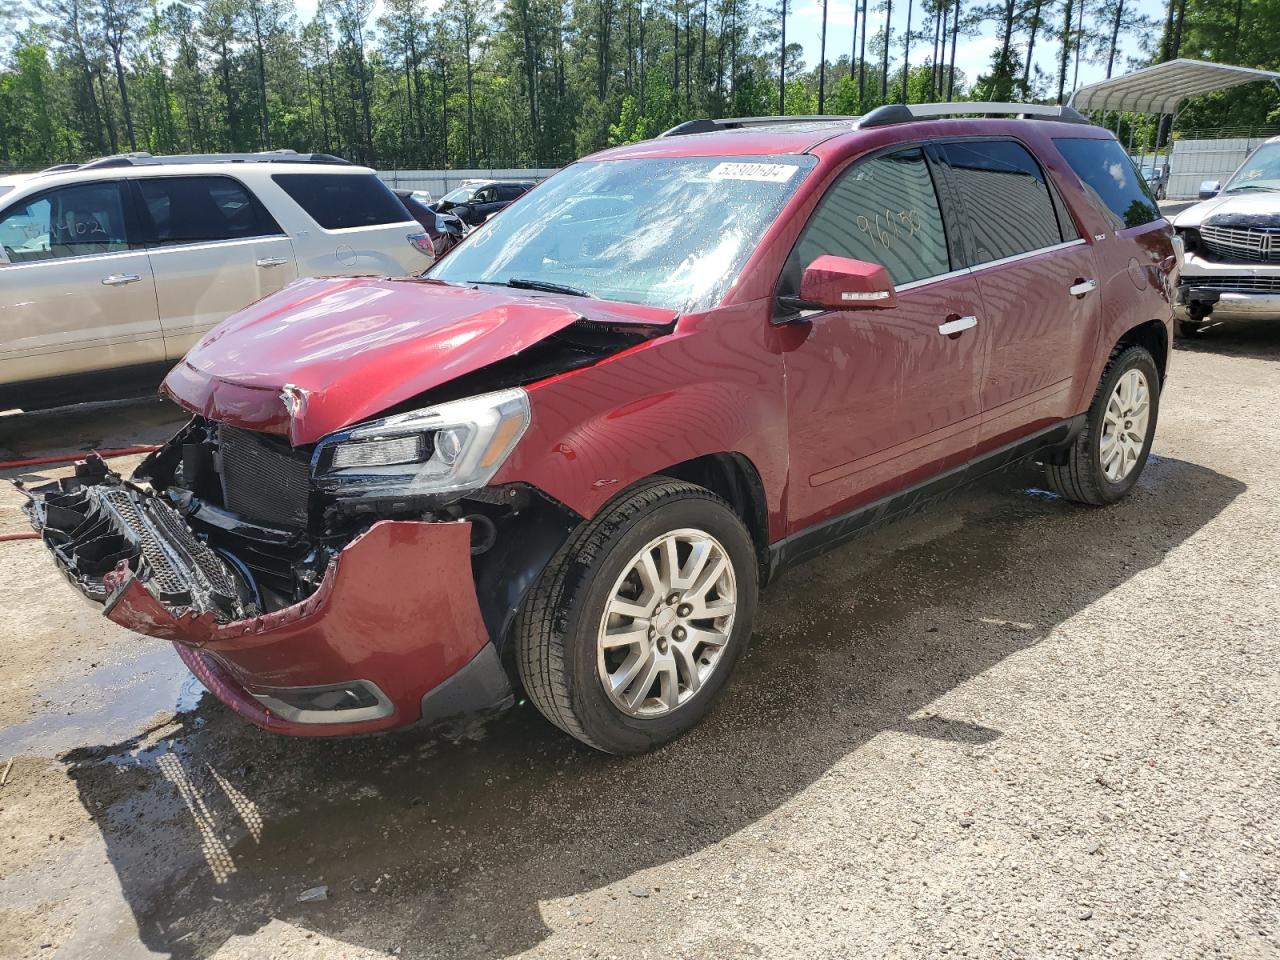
569 456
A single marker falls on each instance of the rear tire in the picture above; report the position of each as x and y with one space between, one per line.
1109 454
602 620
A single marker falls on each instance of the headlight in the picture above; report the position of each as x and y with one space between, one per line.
447 448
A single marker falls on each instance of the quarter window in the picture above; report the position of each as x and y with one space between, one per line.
1110 177
340 200
76 221
883 210
202 209
1009 208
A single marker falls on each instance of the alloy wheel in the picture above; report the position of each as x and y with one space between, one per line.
1124 425
667 622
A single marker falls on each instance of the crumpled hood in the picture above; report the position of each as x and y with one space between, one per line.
343 350
1246 206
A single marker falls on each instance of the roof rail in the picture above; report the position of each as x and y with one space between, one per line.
141 159
888 114
706 125
905 113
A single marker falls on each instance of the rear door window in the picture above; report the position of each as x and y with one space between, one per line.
337 201
1007 198
1111 179
74 221
202 209
883 210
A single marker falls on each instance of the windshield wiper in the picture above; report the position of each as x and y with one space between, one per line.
547 286
1252 186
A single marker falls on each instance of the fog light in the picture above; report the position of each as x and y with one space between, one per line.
333 703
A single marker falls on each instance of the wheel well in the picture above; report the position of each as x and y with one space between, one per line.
1155 338
735 478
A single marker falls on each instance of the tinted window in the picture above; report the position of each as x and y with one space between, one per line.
73 221
1111 179
509 191
338 200
1006 197
199 209
883 210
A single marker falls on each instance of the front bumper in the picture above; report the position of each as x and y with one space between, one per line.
1230 305
392 635
1227 290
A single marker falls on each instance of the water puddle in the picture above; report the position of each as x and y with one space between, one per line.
110 703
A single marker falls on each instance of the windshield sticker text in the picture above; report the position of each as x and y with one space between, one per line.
761 172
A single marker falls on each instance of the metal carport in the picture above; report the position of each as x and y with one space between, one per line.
1165 87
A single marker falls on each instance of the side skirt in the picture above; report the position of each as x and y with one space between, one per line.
813 541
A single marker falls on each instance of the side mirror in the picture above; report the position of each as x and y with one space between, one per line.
840 283
1210 188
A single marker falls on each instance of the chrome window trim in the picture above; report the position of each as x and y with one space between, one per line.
951 275
1023 256
913 284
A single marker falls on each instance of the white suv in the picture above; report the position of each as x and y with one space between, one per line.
1231 269
111 270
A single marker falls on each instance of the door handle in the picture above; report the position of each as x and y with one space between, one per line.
957 326
1081 287
119 279
272 261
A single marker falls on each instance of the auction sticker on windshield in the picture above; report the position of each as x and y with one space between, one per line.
763 172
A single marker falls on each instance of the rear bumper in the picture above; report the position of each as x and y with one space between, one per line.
392 635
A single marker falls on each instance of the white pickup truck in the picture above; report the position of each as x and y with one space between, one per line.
1231 270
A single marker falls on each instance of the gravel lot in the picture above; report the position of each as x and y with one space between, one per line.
1007 728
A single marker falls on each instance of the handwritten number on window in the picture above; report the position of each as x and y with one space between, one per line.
890 226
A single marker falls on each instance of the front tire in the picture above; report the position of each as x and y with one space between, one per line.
1109 454
631 632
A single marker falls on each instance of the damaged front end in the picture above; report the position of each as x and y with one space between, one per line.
322 590
103 530
325 565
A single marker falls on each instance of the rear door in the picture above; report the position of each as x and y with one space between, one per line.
214 249
1037 281
880 399
77 293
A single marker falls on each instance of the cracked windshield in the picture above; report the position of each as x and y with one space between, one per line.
1260 172
662 232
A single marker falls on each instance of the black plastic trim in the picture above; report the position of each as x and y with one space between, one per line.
821 537
479 686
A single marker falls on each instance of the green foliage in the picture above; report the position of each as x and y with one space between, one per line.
511 83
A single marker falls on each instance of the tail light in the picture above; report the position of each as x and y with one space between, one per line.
422 243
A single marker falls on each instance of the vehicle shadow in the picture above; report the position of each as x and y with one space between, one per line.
450 847
1258 340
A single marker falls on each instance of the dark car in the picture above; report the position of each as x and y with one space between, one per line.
566 459
477 201
444 230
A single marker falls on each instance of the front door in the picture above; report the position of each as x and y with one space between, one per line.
214 249
880 399
1038 285
76 293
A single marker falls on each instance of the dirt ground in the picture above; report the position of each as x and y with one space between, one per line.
1011 727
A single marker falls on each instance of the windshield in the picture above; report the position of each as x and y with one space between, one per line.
459 194
1260 172
662 232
